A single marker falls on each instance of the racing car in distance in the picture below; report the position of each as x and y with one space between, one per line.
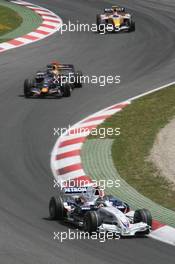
98 214
56 80
115 19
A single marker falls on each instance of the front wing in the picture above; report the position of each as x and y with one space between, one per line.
132 230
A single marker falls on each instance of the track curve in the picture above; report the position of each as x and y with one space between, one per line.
144 59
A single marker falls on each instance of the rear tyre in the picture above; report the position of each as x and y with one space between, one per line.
56 208
28 84
143 215
91 221
78 83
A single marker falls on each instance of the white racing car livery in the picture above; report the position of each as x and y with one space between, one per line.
95 213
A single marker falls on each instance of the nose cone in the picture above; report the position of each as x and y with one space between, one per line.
116 21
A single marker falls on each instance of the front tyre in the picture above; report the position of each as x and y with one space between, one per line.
28 84
101 25
56 208
143 215
66 88
132 27
91 222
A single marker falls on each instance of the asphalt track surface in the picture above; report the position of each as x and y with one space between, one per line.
144 59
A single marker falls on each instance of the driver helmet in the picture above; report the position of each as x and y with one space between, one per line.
55 68
99 191
115 8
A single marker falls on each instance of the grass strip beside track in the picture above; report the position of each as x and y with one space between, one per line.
98 163
29 21
9 20
139 123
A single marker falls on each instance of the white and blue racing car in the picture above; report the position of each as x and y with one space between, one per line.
93 213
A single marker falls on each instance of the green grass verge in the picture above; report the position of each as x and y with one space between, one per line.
9 20
139 123
98 163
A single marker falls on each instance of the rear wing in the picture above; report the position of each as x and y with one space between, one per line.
114 8
74 190
66 67
108 10
87 191
76 187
